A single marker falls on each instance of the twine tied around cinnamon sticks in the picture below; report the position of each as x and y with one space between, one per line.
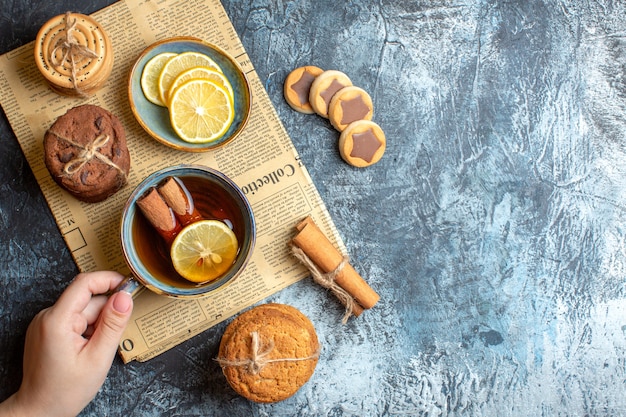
87 153
332 270
327 280
71 51
260 358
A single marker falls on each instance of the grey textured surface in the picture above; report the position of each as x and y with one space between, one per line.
493 227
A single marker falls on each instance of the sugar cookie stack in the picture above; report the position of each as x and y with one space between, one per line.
269 352
349 109
74 54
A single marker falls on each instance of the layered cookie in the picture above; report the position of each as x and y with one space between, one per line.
86 154
269 352
74 54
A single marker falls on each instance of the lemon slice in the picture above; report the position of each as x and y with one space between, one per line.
150 77
204 250
179 63
205 73
201 111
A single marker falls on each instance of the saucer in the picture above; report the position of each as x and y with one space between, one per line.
155 119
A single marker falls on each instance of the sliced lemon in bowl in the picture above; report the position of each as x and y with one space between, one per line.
150 77
203 251
179 63
201 111
204 73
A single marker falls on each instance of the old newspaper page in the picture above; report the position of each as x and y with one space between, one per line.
262 161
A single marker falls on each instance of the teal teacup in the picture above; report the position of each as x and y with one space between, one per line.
216 197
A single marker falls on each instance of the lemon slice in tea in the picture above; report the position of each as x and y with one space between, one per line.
201 111
204 250
150 77
179 63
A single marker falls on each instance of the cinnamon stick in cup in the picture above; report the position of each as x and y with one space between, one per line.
159 214
169 207
321 251
176 195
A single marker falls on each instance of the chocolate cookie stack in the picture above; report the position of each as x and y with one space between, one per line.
86 154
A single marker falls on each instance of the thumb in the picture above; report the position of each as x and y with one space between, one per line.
111 324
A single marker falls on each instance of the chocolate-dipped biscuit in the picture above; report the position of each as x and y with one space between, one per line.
298 86
362 143
349 105
324 88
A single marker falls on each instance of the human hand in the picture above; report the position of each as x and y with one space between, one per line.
70 347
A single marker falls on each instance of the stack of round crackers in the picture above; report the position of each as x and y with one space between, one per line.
268 353
74 54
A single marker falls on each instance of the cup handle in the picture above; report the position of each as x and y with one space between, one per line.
130 285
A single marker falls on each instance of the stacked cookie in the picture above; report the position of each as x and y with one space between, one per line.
86 154
268 353
74 54
349 109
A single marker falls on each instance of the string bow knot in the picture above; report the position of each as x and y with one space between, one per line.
70 50
260 358
327 280
87 153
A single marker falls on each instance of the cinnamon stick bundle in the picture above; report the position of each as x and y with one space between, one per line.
159 214
177 196
318 249
169 207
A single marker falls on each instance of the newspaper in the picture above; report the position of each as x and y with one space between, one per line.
262 161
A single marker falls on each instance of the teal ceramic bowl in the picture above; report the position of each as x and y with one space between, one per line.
155 119
145 260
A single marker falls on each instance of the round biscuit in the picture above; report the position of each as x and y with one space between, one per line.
284 333
324 88
362 143
297 87
349 105
86 153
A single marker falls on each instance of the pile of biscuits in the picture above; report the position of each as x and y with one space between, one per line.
74 54
86 153
349 109
269 352
85 149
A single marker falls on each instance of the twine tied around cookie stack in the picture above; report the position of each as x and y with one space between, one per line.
260 358
268 352
74 54
87 152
